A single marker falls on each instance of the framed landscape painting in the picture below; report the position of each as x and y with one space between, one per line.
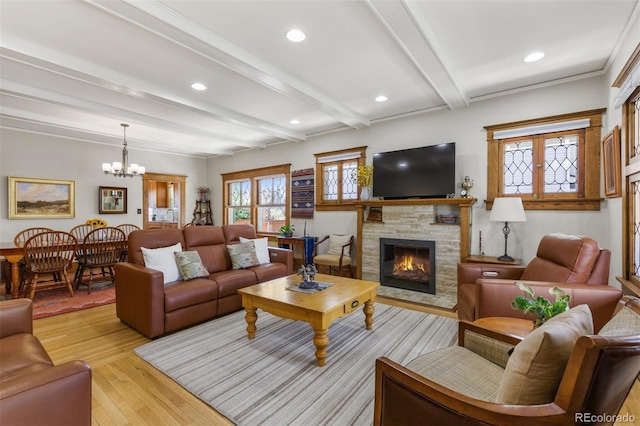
31 198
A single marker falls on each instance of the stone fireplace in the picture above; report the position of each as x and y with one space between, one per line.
408 264
417 220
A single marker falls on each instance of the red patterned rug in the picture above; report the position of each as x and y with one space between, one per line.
58 301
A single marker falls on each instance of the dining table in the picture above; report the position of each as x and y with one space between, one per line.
13 254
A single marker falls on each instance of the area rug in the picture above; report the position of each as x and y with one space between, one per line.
58 301
273 379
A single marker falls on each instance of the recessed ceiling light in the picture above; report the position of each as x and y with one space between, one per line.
295 121
198 86
381 98
535 56
296 35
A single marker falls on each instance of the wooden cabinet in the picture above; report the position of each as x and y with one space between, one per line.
158 194
202 213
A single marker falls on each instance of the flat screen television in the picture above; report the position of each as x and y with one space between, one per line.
426 172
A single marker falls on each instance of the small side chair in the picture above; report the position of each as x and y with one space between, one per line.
338 254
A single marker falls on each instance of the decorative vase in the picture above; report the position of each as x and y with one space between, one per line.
365 194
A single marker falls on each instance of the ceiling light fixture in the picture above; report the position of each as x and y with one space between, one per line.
295 121
535 56
123 169
381 98
198 86
295 35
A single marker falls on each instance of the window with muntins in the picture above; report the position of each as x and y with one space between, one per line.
551 163
258 197
336 178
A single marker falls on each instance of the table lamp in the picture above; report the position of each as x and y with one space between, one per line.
507 209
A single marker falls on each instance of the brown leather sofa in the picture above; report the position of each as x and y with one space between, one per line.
33 391
576 264
146 304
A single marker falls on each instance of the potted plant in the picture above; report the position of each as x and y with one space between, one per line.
286 230
540 306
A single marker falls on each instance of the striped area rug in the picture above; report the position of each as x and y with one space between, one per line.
273 379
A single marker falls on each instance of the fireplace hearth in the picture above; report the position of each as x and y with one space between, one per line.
408 264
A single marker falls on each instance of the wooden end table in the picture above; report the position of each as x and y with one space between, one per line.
319 309
515 327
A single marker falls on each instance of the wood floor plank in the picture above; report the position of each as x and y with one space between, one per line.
128 391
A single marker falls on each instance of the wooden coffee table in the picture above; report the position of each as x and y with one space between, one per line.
345 295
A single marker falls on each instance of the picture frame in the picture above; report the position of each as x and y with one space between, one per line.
112 200
612 164
34 198
374 214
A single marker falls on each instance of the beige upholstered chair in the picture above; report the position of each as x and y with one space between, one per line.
481 382
338 253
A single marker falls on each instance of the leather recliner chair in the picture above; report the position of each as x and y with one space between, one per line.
33 391
576 264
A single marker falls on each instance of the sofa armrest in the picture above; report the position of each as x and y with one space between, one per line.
494 297
404 397
468 273
140 298
59 395
282 255
16 316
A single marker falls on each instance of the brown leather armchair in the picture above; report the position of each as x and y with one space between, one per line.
33 391
597 378
561 260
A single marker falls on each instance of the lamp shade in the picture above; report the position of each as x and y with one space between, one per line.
507 209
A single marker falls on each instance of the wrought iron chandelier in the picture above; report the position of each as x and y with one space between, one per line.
123 169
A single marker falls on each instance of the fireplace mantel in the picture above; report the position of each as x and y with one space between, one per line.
463 226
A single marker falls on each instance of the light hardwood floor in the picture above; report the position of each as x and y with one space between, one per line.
127 390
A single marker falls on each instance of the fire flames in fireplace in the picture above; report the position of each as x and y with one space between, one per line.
411 268
408 264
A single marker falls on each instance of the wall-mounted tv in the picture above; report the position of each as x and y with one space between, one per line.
426 172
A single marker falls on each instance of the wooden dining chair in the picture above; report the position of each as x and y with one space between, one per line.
127 228
19 240
48 253
100 249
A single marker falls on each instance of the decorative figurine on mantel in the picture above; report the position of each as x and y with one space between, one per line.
308 273
466 185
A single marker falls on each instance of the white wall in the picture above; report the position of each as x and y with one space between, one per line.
40 156
466 128
614 117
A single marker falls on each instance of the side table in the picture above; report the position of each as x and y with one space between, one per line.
489 259
516 327
305 243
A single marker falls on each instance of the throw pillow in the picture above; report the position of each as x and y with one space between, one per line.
162 259
336 242
535 368
243 255
262 248
190 265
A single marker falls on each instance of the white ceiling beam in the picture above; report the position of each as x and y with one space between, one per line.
407 26
207 110
28 125
12 89
236 59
